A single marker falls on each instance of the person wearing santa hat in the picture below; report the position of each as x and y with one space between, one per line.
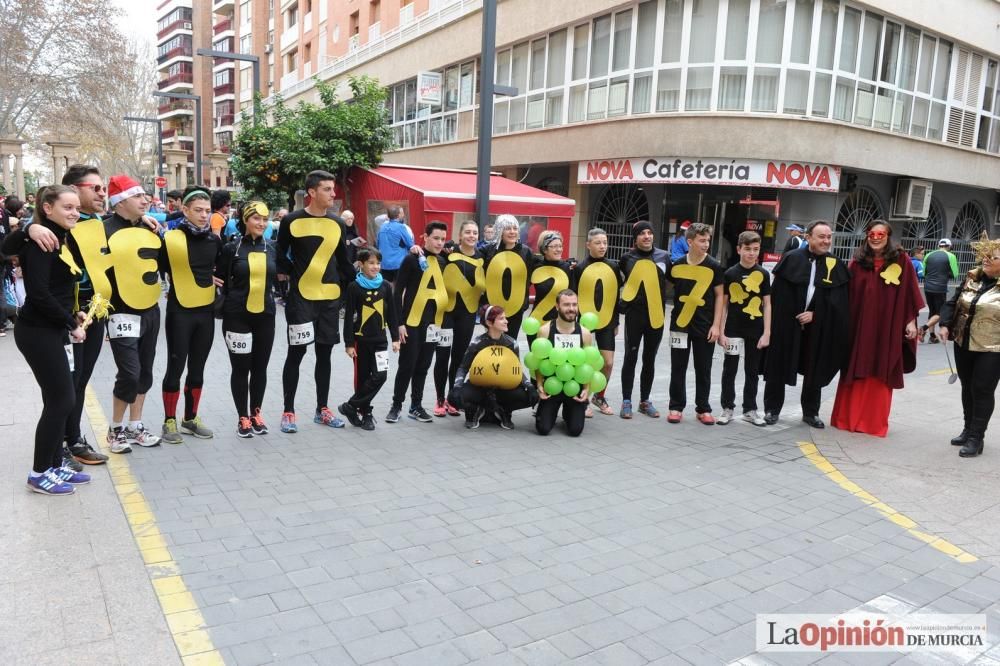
134 324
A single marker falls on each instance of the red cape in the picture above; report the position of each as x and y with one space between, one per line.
880 311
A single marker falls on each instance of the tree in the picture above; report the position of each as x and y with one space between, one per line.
271 159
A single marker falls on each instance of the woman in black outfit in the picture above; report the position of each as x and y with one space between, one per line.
247 268
551 275
43 333
509 280
465 281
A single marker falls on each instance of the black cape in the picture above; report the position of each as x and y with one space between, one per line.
822 349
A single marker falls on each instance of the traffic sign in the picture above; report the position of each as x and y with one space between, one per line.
160 182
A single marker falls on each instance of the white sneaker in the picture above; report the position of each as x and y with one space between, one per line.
118 441
726 417
141 437
753 417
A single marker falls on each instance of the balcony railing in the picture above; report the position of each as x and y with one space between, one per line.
224 89
184 50
224 120
182 77
168 134
176 105
222 26
178 24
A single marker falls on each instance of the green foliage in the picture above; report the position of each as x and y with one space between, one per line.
270 159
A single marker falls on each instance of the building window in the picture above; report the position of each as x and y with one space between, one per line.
771 31
246 15
673 26
704 22
246 43
292 61
223 77
291 17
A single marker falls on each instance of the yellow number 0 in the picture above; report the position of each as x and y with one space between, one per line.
702 277
311 284
560 281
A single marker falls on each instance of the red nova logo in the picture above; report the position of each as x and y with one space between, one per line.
794 174
618 170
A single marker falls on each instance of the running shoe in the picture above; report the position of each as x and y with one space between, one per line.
288 422
725 417
244 428
118 440
368 421
328 418
754 417
71 476
418 413
197 428
140 436
393 415
69 461
673 416
472 418
706 418
505 421
169 433
646 407
84 453
257 423
626 410
451 409
439 408
48 483
602 405
350 413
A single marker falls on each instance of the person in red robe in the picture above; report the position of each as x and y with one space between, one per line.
885 299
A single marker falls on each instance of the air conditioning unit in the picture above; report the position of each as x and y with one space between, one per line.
186 26
913 198
268 48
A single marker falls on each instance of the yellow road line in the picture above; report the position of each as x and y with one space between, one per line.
187 626
830 470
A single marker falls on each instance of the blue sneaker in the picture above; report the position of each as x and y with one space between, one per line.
327 417
626 410
288 422
71 476
49 484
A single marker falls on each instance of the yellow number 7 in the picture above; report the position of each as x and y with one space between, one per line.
702 277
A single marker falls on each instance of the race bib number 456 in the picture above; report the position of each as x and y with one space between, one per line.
124 326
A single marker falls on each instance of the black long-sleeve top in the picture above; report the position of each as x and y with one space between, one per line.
660 259
549 276
319 243
601 298
134 275
186 254
248 267
368 312
50 283
407 285
495 288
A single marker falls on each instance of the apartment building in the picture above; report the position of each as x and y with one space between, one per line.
745 114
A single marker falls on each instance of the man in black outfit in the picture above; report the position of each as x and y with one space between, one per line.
810 329
421 300
574 410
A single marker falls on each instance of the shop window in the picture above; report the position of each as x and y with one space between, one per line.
704 22
858 210
771 31
673 24
619 207
924 233
970 225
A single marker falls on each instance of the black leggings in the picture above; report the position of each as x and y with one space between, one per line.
638 330
85 355
415 356
448 359
751 373
510 400
574 413
249 371
290 374
43 349
189 340
979 373
703 350
368 380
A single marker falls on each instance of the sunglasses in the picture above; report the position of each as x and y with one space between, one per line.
877 235
97 188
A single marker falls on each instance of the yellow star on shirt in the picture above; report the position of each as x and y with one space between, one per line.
368 310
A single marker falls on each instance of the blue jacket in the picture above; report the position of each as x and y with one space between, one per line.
394 242
918 265
679 247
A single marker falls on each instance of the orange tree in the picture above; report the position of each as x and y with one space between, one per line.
270 159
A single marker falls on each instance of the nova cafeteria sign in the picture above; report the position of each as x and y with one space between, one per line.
711 171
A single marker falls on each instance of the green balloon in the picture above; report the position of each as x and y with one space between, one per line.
598 382
575 356
552 386
530 361
558 356
594 357
589 320
530 325
541 348
565 372
547 368
571 389
584 373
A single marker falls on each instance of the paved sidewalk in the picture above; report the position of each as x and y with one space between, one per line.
637 543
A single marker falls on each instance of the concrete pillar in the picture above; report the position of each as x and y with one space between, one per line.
19 173
219 163
63 154
8 183
176 160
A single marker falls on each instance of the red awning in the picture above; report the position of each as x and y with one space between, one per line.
455 191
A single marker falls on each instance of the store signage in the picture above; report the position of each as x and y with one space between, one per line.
712 171
428 88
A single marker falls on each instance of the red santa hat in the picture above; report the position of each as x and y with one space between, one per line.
122 187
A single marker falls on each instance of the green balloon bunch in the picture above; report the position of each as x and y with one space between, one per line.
566 371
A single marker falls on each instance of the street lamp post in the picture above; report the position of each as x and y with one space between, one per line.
159 144
487 89
197 128
255 60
